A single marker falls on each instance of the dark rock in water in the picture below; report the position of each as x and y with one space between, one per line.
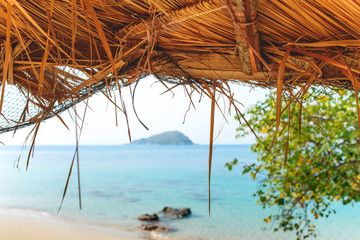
148 217
158 227
176 212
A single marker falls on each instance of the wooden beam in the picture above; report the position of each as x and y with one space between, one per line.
226 75
244 17
214 66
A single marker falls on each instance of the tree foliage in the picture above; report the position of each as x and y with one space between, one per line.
314 161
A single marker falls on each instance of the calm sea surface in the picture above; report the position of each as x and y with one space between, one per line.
121 182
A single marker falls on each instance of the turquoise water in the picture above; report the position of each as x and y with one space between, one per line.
121 182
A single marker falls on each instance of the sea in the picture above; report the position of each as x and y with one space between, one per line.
119 183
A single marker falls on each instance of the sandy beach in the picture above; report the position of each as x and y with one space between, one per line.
15 225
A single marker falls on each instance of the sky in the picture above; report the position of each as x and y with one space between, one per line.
159 112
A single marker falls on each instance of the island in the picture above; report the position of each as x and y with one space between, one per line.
165 138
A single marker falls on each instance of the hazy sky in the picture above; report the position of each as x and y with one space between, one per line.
159 113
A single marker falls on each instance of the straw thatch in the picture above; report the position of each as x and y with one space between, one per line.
56 53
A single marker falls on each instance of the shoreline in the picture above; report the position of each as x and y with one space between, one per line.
123 183
19 224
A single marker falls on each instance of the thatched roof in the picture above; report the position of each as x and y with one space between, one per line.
58 52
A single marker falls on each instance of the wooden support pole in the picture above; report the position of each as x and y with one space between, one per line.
244 16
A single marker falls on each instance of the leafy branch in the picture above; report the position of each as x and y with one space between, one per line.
304 173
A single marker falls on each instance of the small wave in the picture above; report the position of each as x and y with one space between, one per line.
158 236
24 212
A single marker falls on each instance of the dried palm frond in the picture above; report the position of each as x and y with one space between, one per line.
57 53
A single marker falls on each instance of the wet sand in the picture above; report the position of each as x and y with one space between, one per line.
22 226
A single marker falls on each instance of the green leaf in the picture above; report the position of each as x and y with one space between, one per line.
280 201
246 170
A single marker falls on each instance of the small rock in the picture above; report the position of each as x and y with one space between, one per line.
148 217
176 212
158 227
